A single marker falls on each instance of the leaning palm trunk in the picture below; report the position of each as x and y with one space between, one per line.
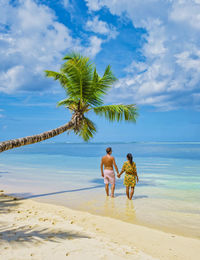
72 124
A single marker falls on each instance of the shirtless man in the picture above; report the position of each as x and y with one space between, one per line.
107 173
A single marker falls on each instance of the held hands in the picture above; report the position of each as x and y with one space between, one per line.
118 175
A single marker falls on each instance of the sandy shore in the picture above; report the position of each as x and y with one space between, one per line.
33 230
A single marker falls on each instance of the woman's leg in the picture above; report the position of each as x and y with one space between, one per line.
127 191
132 192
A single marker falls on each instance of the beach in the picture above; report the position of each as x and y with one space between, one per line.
61 208
33 230
166 197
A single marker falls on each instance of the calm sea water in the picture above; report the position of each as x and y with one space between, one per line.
167 196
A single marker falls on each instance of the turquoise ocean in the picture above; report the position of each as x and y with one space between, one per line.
167 196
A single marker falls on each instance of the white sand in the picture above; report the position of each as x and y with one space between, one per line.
33 230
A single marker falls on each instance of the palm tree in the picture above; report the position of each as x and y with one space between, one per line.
85 90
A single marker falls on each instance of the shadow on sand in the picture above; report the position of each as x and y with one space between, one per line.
3 173
23 196
7 204
26 234
98 181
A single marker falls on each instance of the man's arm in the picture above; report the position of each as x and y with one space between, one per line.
102 174
122 170
114 163
119 174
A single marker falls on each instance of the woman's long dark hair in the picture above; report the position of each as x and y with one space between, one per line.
130 158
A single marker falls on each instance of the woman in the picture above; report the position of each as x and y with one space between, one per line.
131 176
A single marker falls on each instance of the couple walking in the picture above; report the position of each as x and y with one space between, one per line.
107 172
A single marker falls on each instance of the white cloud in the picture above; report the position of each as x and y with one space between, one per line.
94 46
94 5
35 41
66 3
12 79
170 72
187 12
97 26
189 60
32 40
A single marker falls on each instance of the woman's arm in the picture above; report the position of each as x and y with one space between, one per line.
119 174
136 174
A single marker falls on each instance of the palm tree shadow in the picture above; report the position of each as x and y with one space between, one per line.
27 234
23 196
7 204
3 173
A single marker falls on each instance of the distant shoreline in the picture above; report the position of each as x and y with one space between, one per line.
133 142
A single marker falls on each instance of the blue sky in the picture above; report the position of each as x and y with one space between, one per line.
152 46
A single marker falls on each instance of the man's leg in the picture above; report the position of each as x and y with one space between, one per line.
132 192
112 190
127 191
107 189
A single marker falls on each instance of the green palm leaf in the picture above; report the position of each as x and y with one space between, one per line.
87 129
107 80
79 71
117 112
70 103
100 86
64 81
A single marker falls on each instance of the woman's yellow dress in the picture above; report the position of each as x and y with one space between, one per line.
130 174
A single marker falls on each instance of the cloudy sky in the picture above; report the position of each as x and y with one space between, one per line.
152 46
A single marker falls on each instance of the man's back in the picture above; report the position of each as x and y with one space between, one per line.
108 161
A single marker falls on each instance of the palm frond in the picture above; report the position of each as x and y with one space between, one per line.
117 112
79 71
64 81
72 55
108 78
70 103
102 84
87 130
80 79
